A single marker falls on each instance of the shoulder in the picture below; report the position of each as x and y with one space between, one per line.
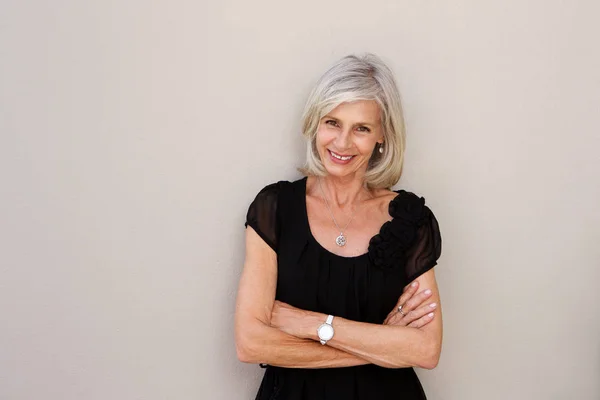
268 193
264 211
272 190
409 206
412 232
402 204
277 192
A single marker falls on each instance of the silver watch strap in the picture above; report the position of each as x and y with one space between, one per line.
329 320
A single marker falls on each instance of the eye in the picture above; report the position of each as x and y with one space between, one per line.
363 129
331 122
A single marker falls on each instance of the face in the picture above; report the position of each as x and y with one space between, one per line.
347 136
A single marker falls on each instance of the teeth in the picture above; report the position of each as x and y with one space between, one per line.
340 157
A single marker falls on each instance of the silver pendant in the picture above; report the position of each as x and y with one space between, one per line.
340 240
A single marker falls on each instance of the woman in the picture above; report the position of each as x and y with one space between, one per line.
329 299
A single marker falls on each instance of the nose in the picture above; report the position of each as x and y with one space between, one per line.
343 140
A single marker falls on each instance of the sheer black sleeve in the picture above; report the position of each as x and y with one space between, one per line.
427 248
262 215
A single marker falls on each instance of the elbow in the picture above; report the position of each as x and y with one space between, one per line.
426 360
249 341
245 350
243 354
245 357
430 362
248 346
430 358
431 349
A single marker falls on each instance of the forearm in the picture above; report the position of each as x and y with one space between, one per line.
385 345
264 344
388 345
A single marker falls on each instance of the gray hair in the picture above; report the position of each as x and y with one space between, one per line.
359 78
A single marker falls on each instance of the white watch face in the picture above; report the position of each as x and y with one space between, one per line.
325 332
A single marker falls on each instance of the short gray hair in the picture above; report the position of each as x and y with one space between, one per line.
359 78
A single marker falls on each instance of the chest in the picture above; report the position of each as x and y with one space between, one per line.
316 274
311 278
356 228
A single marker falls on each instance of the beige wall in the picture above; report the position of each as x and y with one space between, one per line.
134 135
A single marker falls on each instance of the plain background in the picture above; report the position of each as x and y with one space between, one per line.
134 135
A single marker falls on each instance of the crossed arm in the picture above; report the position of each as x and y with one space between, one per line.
268 331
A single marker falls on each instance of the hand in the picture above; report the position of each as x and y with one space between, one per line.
418 311
294 321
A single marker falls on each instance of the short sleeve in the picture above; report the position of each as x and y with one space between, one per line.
262 215
427 248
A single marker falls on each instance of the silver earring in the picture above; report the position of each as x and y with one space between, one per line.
381 147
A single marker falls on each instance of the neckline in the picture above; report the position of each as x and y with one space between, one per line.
320 246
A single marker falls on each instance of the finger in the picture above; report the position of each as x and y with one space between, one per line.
408 292
408 305
394 319
421 322
416 301
393 313
419 313
392 316
388 317
411 316
415 282
397 320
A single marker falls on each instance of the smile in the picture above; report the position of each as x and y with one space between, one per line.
339 156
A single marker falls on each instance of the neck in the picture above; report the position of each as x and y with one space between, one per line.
344 191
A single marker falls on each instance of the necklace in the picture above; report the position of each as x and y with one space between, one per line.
341 239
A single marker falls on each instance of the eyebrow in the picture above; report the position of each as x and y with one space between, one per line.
358 123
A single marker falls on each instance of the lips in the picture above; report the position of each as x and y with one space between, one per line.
340 158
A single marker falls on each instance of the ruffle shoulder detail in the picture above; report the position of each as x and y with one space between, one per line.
391 246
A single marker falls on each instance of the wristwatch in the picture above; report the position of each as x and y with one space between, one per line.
325 331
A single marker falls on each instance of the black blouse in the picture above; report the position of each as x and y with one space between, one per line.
363 288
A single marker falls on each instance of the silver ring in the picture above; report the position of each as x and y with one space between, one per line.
400 310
